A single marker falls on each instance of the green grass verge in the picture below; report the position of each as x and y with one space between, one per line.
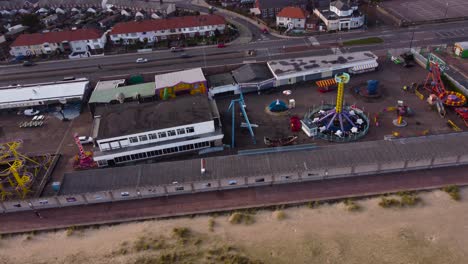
364 41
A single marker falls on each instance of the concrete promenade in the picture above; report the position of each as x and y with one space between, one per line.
227 200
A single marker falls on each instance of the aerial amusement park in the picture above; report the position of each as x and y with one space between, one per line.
20 174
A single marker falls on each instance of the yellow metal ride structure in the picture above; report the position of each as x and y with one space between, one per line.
17 171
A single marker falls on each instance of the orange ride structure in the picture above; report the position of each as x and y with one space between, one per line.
435 86
17 171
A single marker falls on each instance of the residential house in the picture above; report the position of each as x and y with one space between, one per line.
91 10
168 28
42 11
15 31
79 40
23 11
126 13
148 6
109 21
139 16
291 18
269 8
341 15
60 11
48 20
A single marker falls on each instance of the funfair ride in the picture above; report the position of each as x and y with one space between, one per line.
17 171
84 159
435 85
339 122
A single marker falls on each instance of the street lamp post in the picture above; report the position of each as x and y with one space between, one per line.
412 37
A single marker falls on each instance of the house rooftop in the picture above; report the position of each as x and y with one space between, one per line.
131 118
167 23
56 37
292 12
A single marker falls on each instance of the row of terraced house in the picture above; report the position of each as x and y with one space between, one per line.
93 41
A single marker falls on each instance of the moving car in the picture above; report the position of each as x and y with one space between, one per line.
28 63
141 60
85 140
31 112
221 45
185 55
176 49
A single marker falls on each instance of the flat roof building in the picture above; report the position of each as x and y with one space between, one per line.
169 85
42 94
290 71
112 92
136 131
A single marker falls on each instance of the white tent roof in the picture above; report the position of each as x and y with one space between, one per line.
11 97
174 78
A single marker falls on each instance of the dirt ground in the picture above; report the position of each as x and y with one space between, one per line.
434 231
54 137
391 78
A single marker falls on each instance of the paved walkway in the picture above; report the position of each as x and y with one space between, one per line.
230 200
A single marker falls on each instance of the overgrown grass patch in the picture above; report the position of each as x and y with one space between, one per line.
389 202
351 205
453 191
241 218
279 215
314 204
363 41
211 224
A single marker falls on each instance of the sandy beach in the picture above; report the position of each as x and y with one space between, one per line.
434 231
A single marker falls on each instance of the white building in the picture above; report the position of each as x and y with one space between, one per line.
153 130
161 29
342 15
289 71
80 40
42 94
291 18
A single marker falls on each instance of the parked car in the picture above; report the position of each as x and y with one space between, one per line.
221 45
177 49
141 60
265 31
31 112
28 63
86 140
185 56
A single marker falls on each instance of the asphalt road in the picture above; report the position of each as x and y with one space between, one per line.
231 199
233 54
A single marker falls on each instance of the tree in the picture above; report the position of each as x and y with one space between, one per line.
30 20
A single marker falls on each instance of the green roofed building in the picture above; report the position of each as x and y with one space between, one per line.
122 93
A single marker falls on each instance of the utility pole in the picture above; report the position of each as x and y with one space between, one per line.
412 37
